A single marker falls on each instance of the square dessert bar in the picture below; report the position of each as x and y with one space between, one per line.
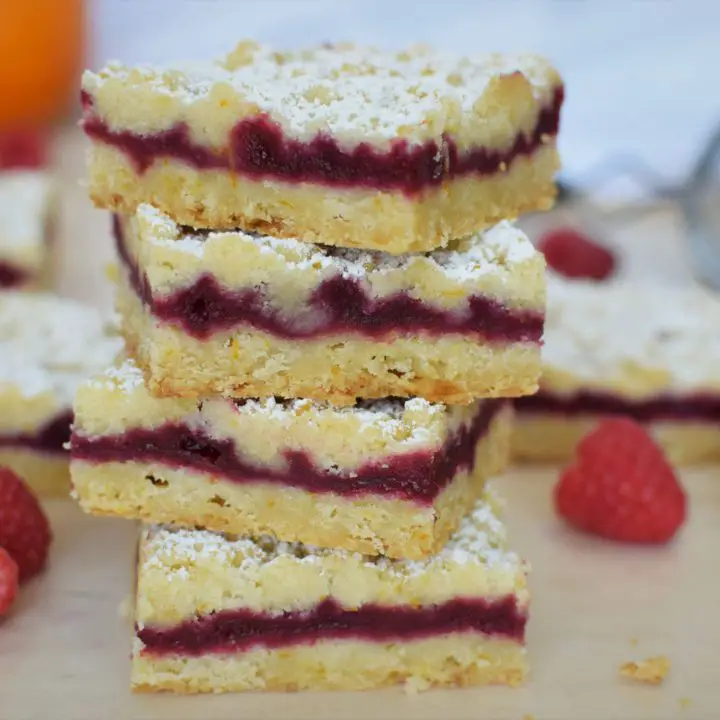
645 351
338 144
391 476
253 316
48 345
26 217
219 614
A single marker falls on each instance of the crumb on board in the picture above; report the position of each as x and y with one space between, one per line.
528 717
125 608
685 702
633 642
413 686
652 670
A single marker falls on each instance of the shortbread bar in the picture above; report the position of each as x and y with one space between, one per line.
218 614
26 219
391 476
646 351
48 345
339 144
254 316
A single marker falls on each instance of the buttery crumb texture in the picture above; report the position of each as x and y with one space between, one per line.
286 318
651 671
184 575
387 476
185 572
356 94
499 263
417 147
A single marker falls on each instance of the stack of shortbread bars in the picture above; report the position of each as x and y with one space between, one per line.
324 309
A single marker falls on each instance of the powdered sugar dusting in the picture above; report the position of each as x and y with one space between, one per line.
50 344
404 421
24 199
125 377
343 89
600 332
480 534
495 250
408 422
480 540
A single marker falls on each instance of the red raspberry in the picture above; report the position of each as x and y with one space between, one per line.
621 486
573 255
24 528
8 581
23 149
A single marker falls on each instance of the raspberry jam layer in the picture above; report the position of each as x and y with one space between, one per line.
49 438
339 305
12 276
417 476
699 407
229 631
258 149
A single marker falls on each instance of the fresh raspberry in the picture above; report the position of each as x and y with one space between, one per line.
23 150
24 528
8 581
574 255
621 486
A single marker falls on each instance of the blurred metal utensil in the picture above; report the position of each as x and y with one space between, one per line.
700 204
654 188
698 198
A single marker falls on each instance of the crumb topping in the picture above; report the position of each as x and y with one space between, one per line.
409 421
125 377
341 89
24 198
480 539
51 344
600 331
651 671
493 251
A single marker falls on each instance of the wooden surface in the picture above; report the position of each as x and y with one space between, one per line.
64 651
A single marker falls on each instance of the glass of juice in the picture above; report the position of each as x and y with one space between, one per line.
41 55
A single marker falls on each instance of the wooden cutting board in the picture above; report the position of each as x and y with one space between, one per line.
64 652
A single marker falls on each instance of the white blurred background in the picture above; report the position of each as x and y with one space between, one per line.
642 75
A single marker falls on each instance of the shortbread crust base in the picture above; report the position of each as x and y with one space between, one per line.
455 370
450 661
373 524
47 474
549 438
363 218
